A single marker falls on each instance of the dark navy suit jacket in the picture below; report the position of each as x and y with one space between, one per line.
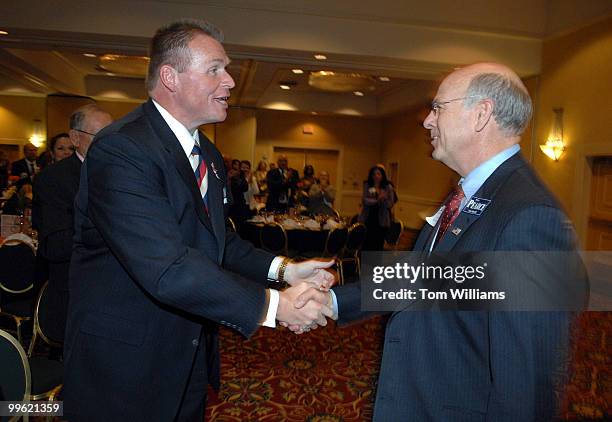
152 274
476 365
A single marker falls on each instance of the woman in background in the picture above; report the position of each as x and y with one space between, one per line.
377 201
322 195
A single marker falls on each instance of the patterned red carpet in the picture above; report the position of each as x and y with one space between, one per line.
329 375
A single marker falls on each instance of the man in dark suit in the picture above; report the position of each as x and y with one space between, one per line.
479 365
153 271
53 212
26 168
282 186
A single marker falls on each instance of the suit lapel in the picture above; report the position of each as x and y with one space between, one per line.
487 191
173 147
216 193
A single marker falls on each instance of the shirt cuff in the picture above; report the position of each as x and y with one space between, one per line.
334 305
270 320
273 270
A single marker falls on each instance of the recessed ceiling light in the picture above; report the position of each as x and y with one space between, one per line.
320 56
89 55
314 113
3 32
297 71
284 86
358 93
384 78
110 74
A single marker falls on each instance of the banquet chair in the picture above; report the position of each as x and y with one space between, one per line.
26 379
15 380
17 269
352 250
334 246
230 225
273 238
394 233
41 319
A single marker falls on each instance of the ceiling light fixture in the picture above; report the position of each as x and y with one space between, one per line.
89 55
297 71
286 87
384 78
3 32
358 93
320 56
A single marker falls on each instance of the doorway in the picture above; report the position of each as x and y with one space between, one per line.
599 227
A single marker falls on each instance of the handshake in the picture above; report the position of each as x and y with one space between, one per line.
306 304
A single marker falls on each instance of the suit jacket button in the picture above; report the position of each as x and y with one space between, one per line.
195 342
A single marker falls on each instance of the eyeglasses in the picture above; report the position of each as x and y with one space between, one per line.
85 132
436 106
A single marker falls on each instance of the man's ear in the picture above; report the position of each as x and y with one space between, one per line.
484 112
74 138
168 76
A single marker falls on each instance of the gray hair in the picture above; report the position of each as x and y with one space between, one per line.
170 45
512 105
77 118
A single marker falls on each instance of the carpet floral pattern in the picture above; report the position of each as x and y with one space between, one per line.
327 375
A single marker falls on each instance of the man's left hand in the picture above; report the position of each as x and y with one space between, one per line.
312 271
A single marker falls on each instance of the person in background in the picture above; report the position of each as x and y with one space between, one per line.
53 207
377 201
234 169
239 208
26 168
59 147
260 176
282 184
4 170
253 190
303 186
322 196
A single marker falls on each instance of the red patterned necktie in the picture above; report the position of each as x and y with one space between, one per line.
451 211
200 174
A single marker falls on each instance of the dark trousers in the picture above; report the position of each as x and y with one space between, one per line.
193 403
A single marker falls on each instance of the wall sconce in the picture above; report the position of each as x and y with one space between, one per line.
37 138
554 147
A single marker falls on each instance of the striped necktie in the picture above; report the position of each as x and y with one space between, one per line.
201 174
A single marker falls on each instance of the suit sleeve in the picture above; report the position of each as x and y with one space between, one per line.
131 210
528 349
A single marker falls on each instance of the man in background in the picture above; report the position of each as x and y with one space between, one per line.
282 186
53 211
26 168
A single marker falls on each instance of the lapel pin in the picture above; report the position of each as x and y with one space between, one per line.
456 231
214 169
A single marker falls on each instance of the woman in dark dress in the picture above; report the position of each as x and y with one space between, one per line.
377 201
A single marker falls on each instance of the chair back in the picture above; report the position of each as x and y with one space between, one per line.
41 320
394 233
336 240
230 225
356 237
17 267
273 238
15 382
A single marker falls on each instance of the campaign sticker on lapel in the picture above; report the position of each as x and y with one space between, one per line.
476 206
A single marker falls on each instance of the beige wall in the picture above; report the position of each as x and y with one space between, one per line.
17 116
236 136
576 76
358 141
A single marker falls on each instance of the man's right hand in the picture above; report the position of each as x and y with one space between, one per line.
308 316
